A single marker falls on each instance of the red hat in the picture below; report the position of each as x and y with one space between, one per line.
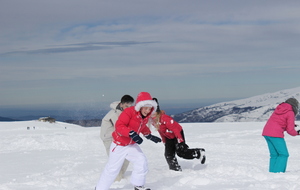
144 99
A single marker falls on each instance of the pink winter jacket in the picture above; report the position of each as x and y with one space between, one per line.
282 119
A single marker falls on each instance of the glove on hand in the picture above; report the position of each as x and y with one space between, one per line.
153 138
135 137
182 146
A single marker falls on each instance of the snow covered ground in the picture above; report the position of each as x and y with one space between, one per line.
62 156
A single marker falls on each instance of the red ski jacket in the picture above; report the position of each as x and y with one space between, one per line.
168 128
130 119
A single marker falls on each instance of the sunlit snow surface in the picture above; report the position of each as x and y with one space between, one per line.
62 156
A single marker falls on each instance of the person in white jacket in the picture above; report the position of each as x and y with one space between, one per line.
108 126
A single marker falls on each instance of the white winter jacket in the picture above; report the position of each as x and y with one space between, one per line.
109 121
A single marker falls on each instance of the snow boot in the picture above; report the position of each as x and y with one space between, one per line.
175 168
141 188
173 164
201 155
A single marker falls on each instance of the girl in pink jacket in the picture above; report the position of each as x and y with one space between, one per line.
282 119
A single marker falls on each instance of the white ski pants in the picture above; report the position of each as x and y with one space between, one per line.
124 167
118 154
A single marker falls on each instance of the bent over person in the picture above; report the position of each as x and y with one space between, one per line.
173 137
126 139
281 120
108 126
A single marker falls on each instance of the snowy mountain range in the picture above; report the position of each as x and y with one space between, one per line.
257 108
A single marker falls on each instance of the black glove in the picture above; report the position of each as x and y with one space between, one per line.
297 129
135 137
182 146
153 138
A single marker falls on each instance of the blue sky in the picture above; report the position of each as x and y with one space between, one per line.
91 52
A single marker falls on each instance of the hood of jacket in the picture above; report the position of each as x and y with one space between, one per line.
283 108
145 99
114 105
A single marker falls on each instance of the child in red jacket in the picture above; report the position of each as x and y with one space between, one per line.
173 137
126 140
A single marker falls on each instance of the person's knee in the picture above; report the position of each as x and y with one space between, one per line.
143 160
140 160
286 154
273 155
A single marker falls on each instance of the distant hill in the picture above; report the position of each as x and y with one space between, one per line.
6 119
257 108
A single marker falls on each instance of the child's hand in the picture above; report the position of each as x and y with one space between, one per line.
153 138
135 137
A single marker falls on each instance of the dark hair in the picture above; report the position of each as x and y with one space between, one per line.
127 99
157 109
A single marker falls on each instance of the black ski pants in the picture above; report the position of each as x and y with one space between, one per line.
171 149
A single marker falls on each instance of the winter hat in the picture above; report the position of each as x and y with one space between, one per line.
158 109
294 103
144 99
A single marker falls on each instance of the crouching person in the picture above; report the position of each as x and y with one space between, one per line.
281 120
